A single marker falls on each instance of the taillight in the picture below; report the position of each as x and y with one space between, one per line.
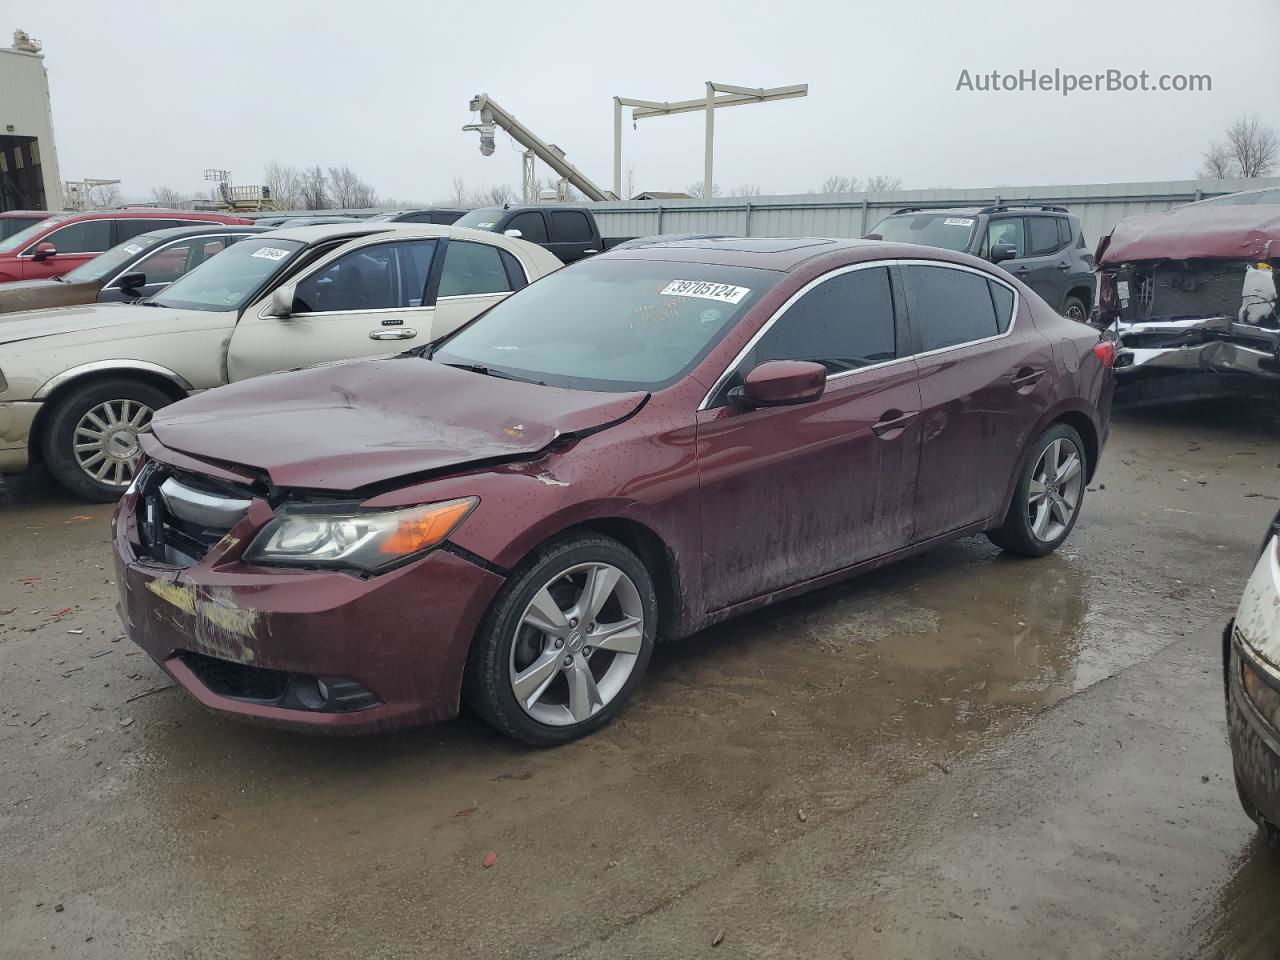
1105 350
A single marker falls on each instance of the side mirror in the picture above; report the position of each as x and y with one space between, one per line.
282 300
1002 252
131 282
44 251
873 236
780 383
512 233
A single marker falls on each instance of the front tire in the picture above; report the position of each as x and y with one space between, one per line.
1047 497
91 442
565 643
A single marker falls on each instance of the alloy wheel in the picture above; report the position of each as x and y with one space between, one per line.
577 644
1054 491
106 440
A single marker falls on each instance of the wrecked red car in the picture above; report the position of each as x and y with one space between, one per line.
1193 289
633 447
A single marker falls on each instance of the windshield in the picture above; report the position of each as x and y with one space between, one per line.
227 281
101 266
944 230
611 325
23 237
486 218
1248 199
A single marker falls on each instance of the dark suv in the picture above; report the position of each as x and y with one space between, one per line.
1040 245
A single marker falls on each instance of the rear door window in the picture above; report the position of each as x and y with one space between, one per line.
1042 236
530 225
570 226
165 265
949 307
843 323
472 269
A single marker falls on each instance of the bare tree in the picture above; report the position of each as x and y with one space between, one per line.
695 190
838 184
347 191
882 183
103 197
285 184
629 183
460 197
1218 163
314 189
746 190
166 196
1254 146
498 195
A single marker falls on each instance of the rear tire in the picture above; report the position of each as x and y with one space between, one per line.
549 664
1047 497
1073 308
102 420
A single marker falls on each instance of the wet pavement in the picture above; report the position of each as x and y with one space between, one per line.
963 755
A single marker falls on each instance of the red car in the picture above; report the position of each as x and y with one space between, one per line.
11 221
633 447
62 241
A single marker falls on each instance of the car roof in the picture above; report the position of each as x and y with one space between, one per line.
768 253
361 228
147 213
196 230
26 214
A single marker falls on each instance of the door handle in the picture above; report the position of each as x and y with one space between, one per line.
1021 270
1064 266
892 420
393 333
1026 377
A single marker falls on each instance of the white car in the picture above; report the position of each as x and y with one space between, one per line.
78 383
1251 654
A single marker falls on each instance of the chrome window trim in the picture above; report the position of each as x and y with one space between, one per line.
472 296
840 271
160 249
94 253
96 366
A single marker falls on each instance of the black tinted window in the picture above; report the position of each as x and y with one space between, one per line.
1064 232
570 226
471 269
530 226
948 306
87 236
1042 235
515 273
845 323
1002 297
1005 230
128 229
379 277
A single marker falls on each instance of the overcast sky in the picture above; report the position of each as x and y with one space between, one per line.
153 93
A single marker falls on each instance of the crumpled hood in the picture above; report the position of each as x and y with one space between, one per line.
107 321
1245 232
353 424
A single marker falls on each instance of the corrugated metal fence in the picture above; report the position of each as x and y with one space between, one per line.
1098 205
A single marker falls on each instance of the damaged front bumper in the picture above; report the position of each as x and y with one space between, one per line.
1192 317
318 650
1196 345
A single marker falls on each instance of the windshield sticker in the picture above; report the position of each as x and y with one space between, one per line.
270 253
957 222
132 248
1122 289
486 226
724 292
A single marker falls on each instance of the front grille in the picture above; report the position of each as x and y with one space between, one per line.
180 517
238 680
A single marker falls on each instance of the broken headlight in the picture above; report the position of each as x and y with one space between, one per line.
367 540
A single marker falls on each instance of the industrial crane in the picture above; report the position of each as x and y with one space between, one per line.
492 115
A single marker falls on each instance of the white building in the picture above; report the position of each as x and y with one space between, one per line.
29 177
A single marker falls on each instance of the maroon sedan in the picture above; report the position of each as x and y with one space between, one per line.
634 447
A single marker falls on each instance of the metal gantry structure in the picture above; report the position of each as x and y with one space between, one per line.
733 96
